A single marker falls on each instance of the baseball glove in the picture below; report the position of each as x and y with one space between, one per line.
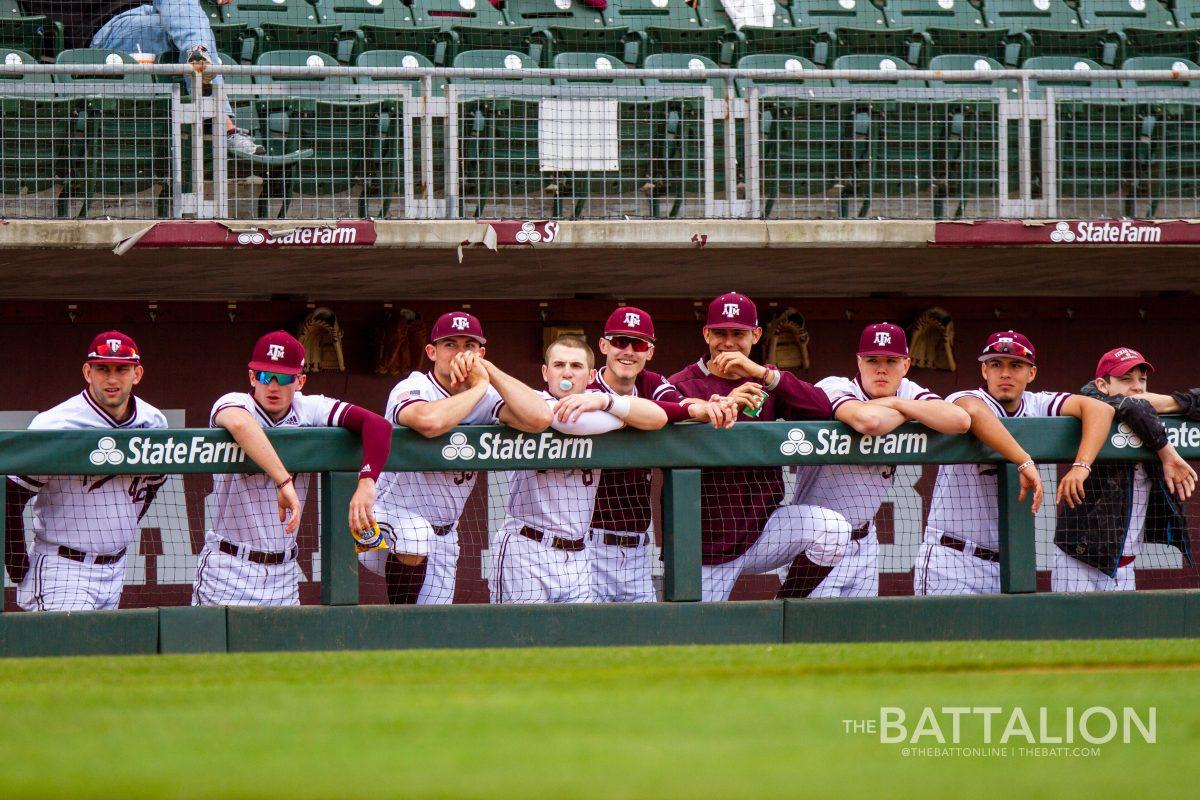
787 341
400 343
321 335
932 340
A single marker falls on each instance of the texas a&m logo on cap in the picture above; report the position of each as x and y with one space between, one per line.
633 319
275 352
113 347
731 310
459 323
882 338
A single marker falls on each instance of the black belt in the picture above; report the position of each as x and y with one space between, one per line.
72 554
557 542
860 533
442 530
265 557
633 540
982 553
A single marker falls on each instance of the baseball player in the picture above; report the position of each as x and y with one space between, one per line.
744 529
877 400
960 553
419 511
249 555
538 553
1128 503
82 525
618 543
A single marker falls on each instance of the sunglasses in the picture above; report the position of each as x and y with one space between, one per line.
621 342
1009 349
264 377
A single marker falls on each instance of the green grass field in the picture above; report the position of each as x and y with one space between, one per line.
694 722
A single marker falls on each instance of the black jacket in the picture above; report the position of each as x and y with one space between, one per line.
1094 531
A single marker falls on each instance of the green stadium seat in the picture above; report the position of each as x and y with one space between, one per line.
1042 28
875 62
841 27
944 27
1066 63
367 25
593 61
962 61
510 64
35 135
780 36
278 25
1163 63
444 28
124 142
796 65
298 58
387 187
661 26
684 63
230 36
564 26
1138 27
34 34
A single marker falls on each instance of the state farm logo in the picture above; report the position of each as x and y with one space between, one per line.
796 443
106 452
322 235
1106 232
1125 437
531 234
458 448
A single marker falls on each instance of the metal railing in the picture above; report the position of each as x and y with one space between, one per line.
597 144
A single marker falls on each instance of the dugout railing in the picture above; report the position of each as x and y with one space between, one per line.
680 453
130 140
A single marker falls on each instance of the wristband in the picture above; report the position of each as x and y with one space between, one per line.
608 406
1083 464
290 478
773 384
619 407
1024 466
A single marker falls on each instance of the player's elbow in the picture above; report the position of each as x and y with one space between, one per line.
959 422
539 419
867 424
654 421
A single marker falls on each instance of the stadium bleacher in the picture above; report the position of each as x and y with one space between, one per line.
827 148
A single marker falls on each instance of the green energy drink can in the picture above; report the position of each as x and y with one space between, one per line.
762 401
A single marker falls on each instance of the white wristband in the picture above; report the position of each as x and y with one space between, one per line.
620 406
774 384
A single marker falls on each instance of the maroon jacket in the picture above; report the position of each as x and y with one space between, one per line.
623 497
735 502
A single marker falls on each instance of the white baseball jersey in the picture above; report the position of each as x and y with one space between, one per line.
854 491
94 513
247 510
1138 506
964 495
559 501
439 497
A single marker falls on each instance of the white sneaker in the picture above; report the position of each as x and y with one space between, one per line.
199 58
239 140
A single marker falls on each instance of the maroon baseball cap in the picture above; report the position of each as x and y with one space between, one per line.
278 351
1010 344
732 310
630 321
457 323
883 339
1120 360
113 347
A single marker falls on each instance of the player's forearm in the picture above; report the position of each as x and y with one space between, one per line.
526 409
645 415
869 419
1097 420
988 429
590 423
937 415
247 433
1162 403
804 400
438 417
376 435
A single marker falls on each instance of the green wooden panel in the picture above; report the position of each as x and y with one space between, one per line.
339 560
192 629
393 627
80 633
1018 556
481 447
681 535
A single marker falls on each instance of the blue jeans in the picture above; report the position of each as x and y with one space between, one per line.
160 26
